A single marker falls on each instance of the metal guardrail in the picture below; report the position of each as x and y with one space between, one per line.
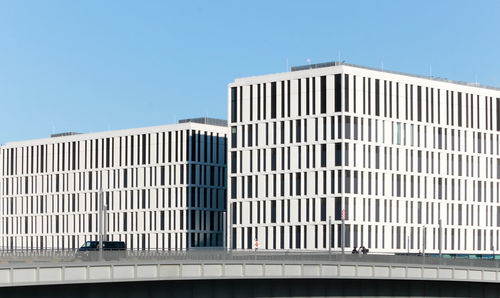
7 258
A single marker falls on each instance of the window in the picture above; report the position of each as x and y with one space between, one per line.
323 209
233 190
273 100
419 103
297 131
338 208
233 162
338 154
377 97
273 159
323 94
234 139
338 92
234 105
250 135
323 155
347 127
346 93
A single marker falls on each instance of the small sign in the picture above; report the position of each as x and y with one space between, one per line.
343 213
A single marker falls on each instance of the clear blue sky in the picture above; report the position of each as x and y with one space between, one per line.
96 65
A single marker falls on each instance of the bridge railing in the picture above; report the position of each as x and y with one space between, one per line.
7 258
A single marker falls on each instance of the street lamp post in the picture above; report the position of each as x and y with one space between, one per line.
440 233
343 231
330 236
224 230
424 242
101 228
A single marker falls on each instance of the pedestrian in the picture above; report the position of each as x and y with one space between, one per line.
354 251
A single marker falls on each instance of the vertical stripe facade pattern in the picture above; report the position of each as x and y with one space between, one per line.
164 187
398 154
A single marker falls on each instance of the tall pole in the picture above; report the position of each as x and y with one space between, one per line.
224 230
100 204
329 235
343 232
229 229
105 218
440 233
424 242
408 244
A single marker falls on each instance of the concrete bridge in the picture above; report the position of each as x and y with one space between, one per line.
262 274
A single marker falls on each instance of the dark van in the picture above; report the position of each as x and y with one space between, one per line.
106 246
112 250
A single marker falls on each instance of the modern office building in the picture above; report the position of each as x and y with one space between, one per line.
411 162
164 187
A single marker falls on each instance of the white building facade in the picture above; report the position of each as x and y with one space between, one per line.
164 187
411 162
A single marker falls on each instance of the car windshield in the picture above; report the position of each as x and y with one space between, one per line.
87 244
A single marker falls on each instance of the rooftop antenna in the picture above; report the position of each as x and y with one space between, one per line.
308 61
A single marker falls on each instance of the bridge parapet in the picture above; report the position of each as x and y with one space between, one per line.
249 265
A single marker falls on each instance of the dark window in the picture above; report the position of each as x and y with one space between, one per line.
338 208
297 131
283 99
459 118
419 103
273 100
258 102
234 106
307 96
297 236
346 93
299 101
264 105
338 92
162 176
323 209
498 114
297 184
233 189
251 102
323 155
233 162
250 135
498 216
323 94
338 154
144 149
249 185
273 159
377 97
234 139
